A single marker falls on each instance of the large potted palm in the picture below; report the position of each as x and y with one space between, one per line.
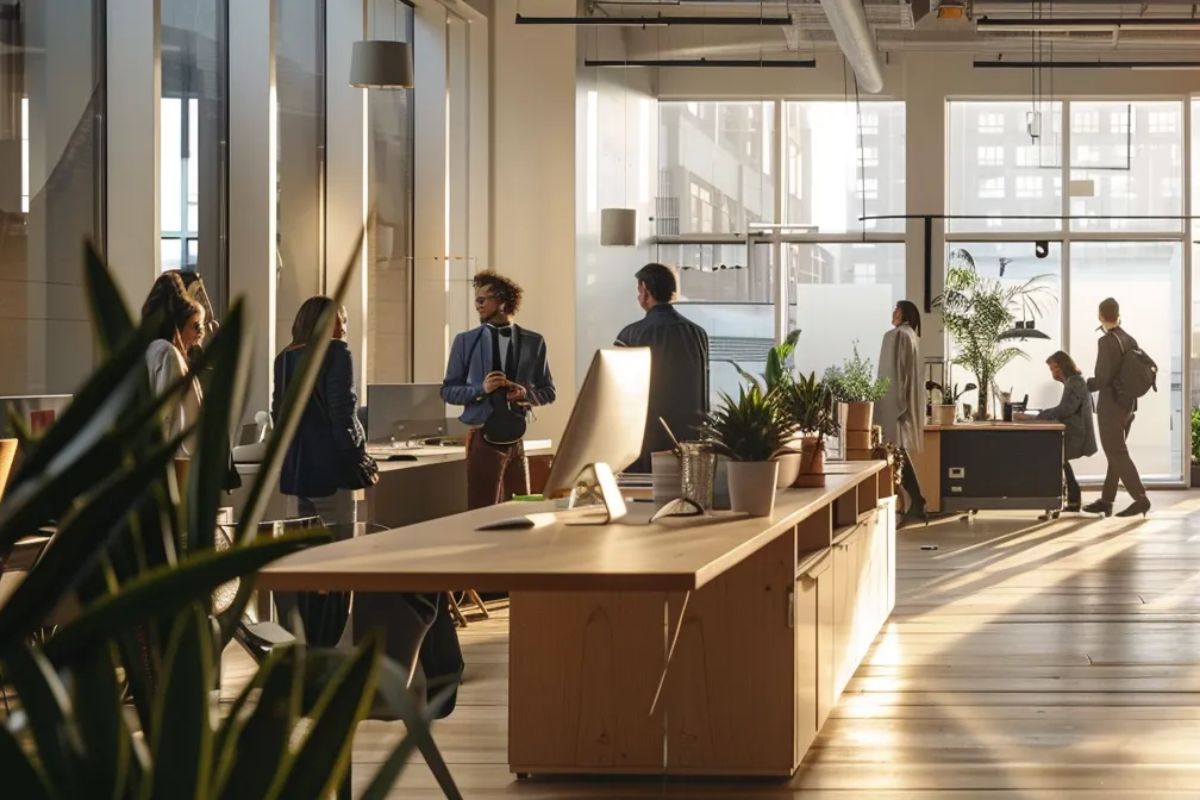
976 311
750 431
809 404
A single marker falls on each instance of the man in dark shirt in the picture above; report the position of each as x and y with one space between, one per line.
678 363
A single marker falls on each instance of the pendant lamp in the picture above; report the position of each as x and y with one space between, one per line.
618 227
379 64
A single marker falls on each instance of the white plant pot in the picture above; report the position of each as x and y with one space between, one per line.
789 469
752 487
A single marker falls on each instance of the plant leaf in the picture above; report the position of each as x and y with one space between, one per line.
182 737
47 708
259 751
110 316
226 743
324 756
160 592
22 777
210 463
106 737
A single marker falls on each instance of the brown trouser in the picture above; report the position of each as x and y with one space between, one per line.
494 472
1114 424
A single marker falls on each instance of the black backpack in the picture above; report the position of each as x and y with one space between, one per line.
1136 375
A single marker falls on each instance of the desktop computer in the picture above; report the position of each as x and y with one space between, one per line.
402 413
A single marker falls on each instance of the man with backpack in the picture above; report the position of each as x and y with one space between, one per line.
1123 374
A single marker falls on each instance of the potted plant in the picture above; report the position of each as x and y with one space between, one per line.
809 403
945 404
778 372
1195 482
856 388
976 312
750 431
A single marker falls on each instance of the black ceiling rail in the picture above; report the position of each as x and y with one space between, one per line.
928 219
1001 64
703 62
1088 22
659 20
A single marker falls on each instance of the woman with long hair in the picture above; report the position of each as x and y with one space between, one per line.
327 459
181 328
1074 411
901 411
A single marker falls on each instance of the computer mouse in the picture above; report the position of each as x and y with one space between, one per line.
401 457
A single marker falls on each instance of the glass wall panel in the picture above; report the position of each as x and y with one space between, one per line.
840 296
1195 235
1146 279
841 162
1127 158
390 238
193 139
729 291
52 109
1014 264
715 166
996 167
300 154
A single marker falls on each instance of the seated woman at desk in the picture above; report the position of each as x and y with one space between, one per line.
1074 411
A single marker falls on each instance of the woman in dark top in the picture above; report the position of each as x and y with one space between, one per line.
322 467
1074 411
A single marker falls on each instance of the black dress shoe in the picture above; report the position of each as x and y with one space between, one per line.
1136 507
1098 507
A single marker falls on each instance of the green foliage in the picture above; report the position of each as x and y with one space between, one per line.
976 310
753 427
1196 435
134 555
855 380
810 404
779 372
944 397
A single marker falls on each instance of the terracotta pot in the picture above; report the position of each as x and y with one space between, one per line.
944 414
789 468
859 455
812 463
752 487
858 440
859 415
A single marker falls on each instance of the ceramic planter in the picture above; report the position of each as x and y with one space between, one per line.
1195 482
944 414
789 468
812 463
752 487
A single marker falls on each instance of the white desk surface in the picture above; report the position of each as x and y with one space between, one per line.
678 554
440 455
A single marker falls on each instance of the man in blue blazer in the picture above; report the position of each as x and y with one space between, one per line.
496 368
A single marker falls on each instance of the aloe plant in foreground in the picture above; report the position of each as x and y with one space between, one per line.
134 557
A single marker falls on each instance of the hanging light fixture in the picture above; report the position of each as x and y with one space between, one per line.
382 64
618 226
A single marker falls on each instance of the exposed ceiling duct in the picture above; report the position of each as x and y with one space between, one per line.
854 37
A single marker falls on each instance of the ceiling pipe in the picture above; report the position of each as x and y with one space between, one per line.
1066 24
849 23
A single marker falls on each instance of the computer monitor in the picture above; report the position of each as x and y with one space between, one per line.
38 412
604 433
400 412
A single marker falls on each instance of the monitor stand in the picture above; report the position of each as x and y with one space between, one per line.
597 485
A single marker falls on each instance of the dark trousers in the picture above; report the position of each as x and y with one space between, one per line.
908 479
1114 424
494 472
1074 497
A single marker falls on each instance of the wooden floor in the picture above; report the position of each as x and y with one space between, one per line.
1023 660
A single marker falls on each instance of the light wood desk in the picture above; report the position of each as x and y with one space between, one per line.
751 626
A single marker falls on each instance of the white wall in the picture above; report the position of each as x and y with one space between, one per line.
533 181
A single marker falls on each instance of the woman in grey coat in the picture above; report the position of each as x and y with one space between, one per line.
901 411
1074 411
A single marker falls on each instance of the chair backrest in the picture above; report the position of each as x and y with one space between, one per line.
8 454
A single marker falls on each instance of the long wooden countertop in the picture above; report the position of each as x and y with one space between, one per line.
682 553
996 425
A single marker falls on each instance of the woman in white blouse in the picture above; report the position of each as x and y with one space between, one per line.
901 411
181 329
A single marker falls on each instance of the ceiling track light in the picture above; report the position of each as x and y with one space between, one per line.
703 62
1148 65
1067 24
660 20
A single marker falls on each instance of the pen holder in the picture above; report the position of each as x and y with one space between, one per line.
697 469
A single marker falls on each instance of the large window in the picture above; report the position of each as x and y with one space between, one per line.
193 137
52 115
1122 165
749 278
